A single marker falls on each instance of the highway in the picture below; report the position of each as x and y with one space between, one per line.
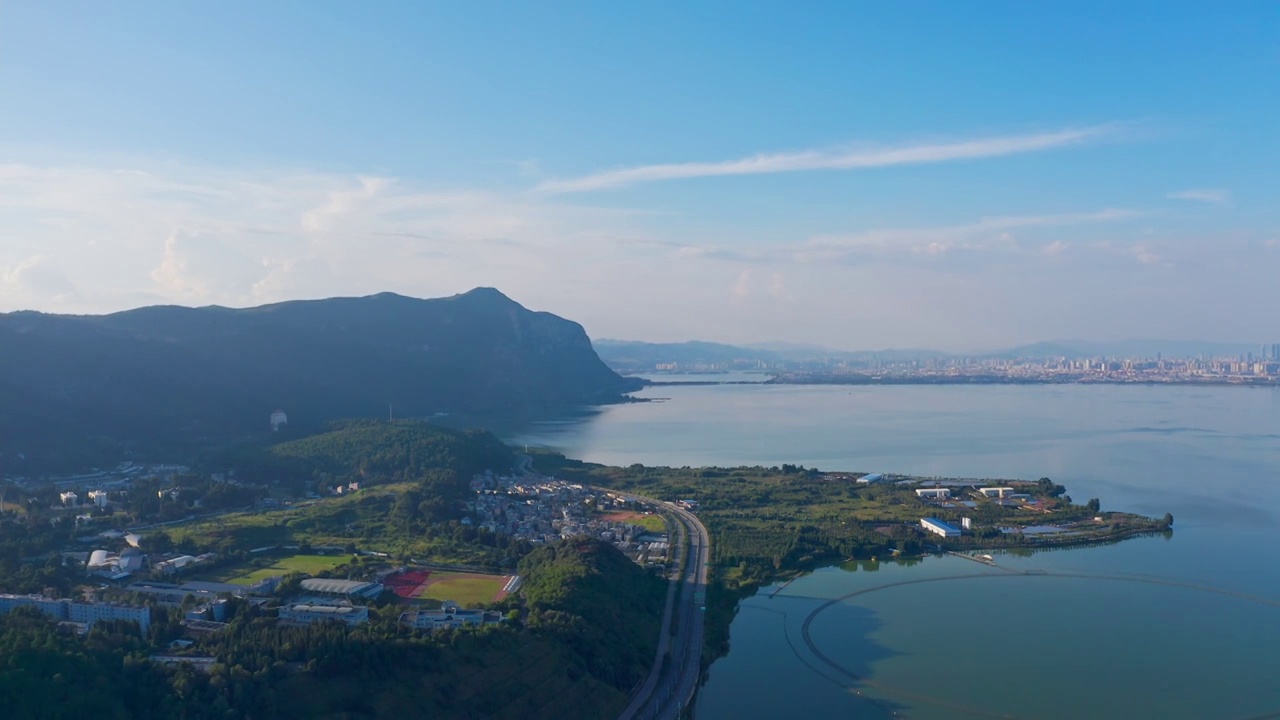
664 695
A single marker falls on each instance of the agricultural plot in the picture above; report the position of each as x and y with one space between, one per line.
648 521
249 574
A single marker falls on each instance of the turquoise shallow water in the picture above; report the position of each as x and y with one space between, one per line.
1044 646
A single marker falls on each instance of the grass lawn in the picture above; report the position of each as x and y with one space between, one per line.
648 521
311 564
466 589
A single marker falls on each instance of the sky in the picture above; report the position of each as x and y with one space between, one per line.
950 175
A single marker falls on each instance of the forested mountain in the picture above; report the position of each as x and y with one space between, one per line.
169 375
591 596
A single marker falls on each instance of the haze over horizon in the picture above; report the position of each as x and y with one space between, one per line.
947 179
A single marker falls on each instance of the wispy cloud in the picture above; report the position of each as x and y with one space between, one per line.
1145 255
988 234
831 160
1213 196
984 234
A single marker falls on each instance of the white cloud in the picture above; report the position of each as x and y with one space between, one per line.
1057 247
198 266
1213 196
742 288
163 232
36 279
830 160
343 203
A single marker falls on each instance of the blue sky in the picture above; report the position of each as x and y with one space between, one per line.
952 175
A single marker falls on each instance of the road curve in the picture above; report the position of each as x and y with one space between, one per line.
664 695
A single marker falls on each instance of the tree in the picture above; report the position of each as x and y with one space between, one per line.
1094 505
158 542
1168 520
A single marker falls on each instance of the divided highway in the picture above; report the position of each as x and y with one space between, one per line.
667 690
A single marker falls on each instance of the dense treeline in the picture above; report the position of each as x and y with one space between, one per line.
28 559
593 618
396 450
375 451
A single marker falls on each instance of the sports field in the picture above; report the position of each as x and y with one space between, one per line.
461 587
648 521
310 564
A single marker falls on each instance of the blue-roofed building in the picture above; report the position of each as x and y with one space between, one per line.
937 527
872 478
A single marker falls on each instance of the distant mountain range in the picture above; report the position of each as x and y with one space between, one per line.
631 356
95 385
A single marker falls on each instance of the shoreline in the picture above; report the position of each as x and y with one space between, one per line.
1263 382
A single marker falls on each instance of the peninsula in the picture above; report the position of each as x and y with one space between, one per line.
442 554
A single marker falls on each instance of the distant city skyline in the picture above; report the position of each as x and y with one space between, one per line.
1128 348
856 177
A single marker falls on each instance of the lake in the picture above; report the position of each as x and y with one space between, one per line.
1181 627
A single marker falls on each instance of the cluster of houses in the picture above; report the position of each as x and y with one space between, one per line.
544 510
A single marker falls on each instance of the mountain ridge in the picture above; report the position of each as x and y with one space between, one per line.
633 356
176 374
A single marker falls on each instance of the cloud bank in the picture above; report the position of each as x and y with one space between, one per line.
113 235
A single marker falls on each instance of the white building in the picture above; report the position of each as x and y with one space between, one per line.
69 498
89 613
101 559
278 420
449 616
936 493
937 527
871 479
306 614
996 492
84 613
173 565
98 497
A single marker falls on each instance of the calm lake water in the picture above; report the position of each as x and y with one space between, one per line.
1179 627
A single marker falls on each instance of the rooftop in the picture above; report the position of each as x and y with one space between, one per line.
329 609
330 586
940 524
